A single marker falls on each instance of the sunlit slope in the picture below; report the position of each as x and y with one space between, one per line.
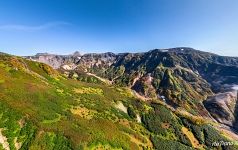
40 109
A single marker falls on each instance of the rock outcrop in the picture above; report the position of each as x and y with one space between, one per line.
222 107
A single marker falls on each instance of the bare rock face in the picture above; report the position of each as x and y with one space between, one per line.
51 60
96 61
70 62
222 107
144 87
57 61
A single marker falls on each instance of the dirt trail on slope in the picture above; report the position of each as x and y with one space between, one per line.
100 78
140 96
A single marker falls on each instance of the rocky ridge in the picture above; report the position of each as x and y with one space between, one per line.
183 77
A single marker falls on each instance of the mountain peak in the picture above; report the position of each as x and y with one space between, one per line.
76 53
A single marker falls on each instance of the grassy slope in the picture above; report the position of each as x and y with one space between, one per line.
36 95
39 109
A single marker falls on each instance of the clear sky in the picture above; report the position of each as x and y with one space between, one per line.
64 26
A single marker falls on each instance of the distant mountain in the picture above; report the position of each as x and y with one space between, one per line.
209 66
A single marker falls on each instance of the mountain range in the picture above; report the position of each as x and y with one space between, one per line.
177 98
185 77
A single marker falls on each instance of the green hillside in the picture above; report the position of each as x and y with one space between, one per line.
42 109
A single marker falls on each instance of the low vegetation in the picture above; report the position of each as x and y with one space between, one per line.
41 109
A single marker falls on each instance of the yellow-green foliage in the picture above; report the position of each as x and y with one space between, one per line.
42 69
88 90
52 110
2 81
58 117
83 112
125 92
41 110
17 63
49 70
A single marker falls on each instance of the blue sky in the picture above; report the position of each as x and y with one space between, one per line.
64 26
